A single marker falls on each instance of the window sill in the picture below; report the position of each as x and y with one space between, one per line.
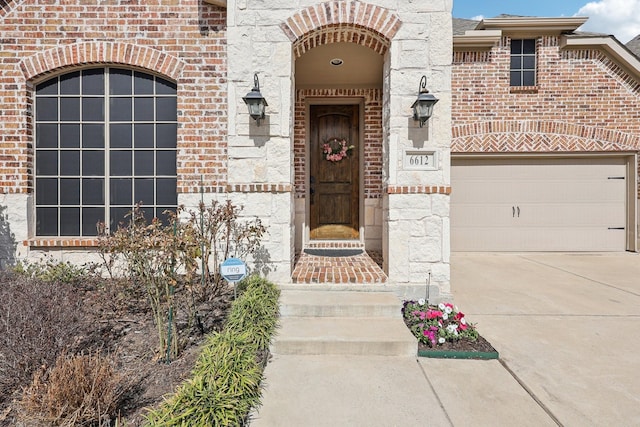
523 89
61 242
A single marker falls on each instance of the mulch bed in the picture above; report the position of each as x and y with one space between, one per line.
463 345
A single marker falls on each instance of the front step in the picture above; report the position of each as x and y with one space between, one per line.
344 336
339 304
342 323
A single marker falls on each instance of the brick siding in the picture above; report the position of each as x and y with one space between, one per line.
582 102
184 41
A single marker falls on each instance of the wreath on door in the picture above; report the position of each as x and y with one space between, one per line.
334 149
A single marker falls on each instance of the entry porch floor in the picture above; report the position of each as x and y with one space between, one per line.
333 265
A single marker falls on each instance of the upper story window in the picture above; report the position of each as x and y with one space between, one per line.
523 62
105 139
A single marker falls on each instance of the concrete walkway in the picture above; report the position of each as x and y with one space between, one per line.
566 327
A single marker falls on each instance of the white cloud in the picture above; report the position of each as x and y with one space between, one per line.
478 18
618 17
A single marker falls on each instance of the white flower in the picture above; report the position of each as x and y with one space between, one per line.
463 321
452 328
445 316
455 332
441 340
441 306
421 301
448 310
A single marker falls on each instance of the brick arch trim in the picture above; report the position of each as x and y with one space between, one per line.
538 136
340 33
101 53
6 6
333 21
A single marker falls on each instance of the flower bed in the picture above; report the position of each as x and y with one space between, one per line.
443 332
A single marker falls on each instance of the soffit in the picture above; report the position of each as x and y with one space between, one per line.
362 67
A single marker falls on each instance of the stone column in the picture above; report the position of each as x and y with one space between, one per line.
416 205
260 158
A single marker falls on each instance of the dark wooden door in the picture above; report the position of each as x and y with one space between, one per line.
333 184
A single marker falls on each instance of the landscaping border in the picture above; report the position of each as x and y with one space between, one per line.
451 354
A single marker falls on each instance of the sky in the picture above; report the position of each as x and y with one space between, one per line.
618 17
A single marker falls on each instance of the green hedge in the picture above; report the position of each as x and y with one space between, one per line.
225 382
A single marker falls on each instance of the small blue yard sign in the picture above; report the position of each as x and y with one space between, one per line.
233 270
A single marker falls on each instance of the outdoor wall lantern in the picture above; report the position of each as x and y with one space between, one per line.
423 106
255 101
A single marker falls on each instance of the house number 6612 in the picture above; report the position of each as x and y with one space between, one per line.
420 160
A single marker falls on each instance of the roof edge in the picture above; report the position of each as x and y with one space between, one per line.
528 24
477 39
618 52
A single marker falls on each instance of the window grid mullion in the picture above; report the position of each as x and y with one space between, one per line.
82 177
107 150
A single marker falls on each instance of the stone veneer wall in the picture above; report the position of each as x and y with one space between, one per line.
415 39
182 40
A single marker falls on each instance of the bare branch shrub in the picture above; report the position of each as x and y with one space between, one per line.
148 250
218 233
38 320
81 390
169 259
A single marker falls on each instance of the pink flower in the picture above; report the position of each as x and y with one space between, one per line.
434 314
431 335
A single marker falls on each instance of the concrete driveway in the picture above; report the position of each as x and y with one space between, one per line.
567 327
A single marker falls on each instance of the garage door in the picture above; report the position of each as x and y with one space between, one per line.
543 204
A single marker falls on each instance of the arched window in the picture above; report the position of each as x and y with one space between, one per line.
105 140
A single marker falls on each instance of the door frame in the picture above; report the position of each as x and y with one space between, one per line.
632 213
309 101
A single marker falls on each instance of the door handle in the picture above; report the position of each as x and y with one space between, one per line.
513 211
518 211
312 190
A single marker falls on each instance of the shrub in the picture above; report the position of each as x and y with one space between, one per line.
254 311
38 321
165 258
53 271
82 390
216 233
225 383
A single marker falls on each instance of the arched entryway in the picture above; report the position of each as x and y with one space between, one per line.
338 127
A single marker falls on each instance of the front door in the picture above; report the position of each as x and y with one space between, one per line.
333 180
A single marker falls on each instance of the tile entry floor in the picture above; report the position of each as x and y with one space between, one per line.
362 268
